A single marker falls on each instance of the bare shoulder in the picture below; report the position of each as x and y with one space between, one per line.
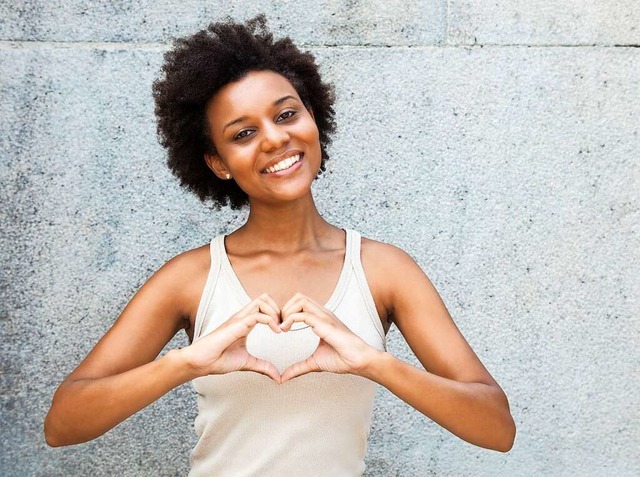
386 253
387 259
177 285
385 265
186 264
187 273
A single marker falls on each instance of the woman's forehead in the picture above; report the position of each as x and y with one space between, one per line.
257 89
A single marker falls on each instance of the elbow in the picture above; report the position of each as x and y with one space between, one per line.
53 427
51 440
51 436
63 430
56 424
58 433
507 435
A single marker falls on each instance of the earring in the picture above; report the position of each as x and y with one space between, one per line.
228 176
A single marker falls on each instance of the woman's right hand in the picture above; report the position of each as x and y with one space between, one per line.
224 349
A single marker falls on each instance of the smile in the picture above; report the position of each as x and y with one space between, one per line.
284 164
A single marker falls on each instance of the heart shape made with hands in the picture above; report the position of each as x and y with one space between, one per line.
282 349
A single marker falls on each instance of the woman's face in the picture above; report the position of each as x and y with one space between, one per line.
255 123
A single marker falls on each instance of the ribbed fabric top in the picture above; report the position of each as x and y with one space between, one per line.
313 425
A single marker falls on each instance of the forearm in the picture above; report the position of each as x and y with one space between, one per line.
87 408
476 412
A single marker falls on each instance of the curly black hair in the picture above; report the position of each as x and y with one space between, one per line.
197 67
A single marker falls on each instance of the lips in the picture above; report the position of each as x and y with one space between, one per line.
279 159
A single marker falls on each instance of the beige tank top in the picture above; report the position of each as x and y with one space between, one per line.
313 425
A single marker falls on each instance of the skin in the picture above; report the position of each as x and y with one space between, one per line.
284 243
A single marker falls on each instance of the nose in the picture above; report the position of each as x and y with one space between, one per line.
274 136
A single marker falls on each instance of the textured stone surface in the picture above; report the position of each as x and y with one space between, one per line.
511 175
544 22
329 22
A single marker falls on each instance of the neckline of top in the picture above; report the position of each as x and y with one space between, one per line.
333 300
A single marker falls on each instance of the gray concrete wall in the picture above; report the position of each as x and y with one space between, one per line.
496 142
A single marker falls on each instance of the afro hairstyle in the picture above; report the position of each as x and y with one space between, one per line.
197 67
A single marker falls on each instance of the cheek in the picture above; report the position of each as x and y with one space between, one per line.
310 131
237 155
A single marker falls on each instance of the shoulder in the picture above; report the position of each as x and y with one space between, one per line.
384 254
187 263
387 267
386 258
181 279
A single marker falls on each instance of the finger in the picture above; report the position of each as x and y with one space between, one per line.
271 303
265 304
300 317
251 320
263 367
300 368
300 302
295 303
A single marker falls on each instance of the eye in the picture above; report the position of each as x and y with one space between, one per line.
287 114
241 134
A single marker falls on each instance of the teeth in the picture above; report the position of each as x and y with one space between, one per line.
284 164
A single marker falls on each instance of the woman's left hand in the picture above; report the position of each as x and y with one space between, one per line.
339 350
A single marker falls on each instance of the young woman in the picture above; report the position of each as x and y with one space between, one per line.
286 315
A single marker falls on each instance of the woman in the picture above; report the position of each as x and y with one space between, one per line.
287 315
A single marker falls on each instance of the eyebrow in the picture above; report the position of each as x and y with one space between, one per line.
243 118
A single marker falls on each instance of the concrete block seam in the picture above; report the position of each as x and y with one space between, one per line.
13 44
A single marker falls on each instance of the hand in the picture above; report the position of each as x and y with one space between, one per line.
339 350
224 349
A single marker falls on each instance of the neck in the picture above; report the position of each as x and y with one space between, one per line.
288 227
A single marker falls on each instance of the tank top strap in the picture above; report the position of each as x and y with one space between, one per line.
353 247
207 292
358 272
352 241
228 274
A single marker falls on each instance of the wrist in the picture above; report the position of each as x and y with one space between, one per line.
179 361
375 361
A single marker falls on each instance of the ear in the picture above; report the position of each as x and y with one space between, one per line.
214 162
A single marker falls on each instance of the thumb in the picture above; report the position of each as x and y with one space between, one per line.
309 365
263 367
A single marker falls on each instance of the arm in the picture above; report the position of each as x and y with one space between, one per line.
456 390
119 376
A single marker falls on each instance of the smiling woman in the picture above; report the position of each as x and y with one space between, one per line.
268 117
288 312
